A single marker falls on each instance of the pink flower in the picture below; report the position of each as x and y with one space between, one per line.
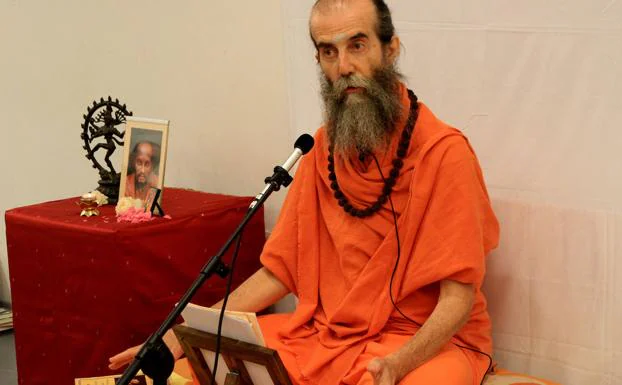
134 215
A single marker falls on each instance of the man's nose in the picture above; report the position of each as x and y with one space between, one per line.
345 65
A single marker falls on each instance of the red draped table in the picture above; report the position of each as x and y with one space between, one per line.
83 288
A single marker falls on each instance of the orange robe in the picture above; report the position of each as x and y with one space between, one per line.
339 267
130 187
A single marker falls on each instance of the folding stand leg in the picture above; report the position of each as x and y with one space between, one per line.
233 378
155 205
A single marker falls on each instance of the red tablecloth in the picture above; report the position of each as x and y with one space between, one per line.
86 288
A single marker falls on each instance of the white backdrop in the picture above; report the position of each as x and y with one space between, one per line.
215 69
535 86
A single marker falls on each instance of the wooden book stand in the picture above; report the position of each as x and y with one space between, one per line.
235 353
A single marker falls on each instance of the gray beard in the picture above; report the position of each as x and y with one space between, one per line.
362 122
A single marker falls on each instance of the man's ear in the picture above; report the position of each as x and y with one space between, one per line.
393 49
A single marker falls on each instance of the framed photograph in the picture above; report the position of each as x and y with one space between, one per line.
144 158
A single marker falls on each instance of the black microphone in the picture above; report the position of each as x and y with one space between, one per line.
303 145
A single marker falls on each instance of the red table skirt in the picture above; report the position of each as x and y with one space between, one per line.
84 289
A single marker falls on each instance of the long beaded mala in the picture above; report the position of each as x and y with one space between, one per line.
389 183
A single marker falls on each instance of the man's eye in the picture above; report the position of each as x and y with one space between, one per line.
328 52
358 46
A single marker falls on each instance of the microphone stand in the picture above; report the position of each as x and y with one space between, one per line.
154 358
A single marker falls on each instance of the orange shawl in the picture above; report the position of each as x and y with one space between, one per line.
130 187
339 267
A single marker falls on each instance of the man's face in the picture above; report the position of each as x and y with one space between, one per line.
143 162
347 43
359 81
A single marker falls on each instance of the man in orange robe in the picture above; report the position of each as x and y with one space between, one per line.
144 160
384 232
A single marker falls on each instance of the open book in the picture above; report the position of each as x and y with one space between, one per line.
140 379
6 319
240 326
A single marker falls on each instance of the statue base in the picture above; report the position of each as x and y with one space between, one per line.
110 188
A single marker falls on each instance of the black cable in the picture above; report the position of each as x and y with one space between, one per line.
224 305
397 236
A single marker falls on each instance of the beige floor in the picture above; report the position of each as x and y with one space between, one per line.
8 368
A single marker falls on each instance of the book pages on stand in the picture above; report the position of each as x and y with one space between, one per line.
240 326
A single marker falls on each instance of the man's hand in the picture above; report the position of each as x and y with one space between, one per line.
123 358
450 314
127 356
383 371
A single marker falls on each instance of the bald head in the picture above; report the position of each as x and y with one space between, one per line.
377 8
323 6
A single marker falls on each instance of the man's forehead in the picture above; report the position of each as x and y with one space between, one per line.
323 6
339 37
144 149
333 21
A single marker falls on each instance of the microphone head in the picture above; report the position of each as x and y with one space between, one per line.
304 143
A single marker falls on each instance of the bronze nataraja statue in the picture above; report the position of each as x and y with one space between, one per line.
100 123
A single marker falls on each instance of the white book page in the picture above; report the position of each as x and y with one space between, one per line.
235 325
222 365
258 373
206 319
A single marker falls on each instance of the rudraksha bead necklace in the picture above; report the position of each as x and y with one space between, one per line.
389 183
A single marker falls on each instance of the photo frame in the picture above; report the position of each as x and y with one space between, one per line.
144 158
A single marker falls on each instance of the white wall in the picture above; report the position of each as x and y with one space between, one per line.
533 84
214 68
536 87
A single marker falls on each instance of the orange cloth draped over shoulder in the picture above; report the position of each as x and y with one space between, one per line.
130 187
340 267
